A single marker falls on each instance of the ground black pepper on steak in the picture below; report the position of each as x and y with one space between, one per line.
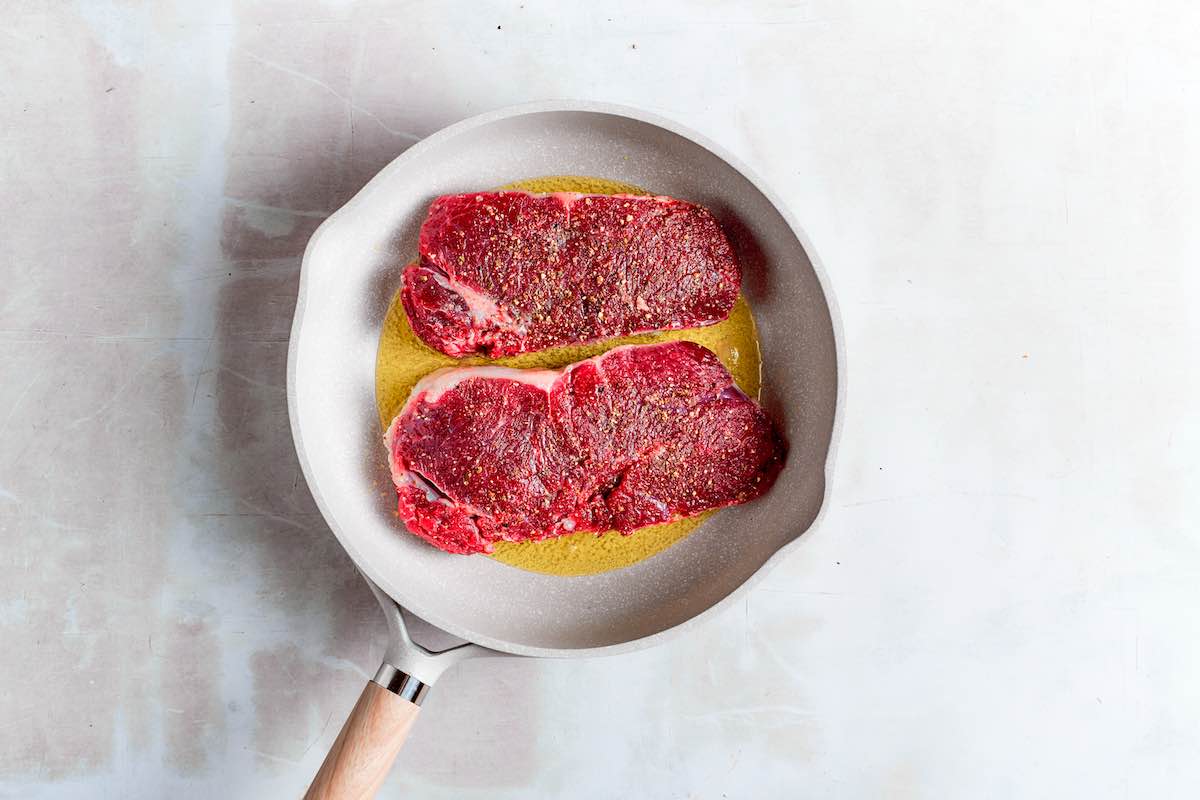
640 435
501 273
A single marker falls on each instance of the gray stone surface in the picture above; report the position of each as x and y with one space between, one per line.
1001 600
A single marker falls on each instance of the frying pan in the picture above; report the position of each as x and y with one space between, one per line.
349 274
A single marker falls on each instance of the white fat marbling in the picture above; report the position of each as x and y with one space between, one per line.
431 388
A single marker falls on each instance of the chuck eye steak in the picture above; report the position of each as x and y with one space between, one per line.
640 435
501 273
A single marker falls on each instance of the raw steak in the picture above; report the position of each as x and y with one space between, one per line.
510 272
640 435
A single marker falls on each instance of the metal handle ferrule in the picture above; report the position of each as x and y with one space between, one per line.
401 683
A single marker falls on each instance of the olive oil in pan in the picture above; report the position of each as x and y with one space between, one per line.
404 359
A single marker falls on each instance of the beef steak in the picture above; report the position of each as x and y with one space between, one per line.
510 272
637 436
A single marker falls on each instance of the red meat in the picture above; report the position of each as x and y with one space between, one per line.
509 272
637 436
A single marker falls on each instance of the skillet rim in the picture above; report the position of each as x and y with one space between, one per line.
638 115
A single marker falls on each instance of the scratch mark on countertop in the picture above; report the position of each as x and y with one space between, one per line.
249 380
201 373
268 515
20 399
280 209
271 757
116 395
349 103
320 733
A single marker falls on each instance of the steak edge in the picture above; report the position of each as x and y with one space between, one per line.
501 273
640 435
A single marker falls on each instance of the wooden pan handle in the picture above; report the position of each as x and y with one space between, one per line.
364 751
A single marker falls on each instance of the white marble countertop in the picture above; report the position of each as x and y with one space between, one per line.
1003 599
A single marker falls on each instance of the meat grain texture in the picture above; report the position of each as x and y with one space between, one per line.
640 435
502 273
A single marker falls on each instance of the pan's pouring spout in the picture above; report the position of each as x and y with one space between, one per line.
363 753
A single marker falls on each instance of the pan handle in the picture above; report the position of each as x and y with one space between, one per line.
363 752
362 755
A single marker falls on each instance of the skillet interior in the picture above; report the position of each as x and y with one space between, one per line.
352 269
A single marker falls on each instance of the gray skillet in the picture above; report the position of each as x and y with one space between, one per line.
349 275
